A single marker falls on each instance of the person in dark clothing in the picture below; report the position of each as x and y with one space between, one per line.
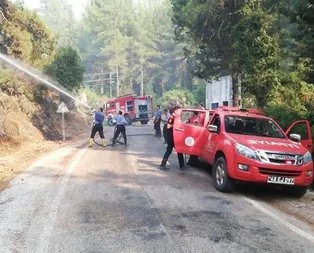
170 146
98 127
120 128
157 121
164 118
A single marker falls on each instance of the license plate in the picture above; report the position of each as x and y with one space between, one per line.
281 180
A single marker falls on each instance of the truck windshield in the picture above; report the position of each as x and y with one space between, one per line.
252 126
142 108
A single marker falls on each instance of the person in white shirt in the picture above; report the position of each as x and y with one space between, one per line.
121 122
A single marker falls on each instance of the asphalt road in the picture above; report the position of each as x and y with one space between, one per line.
80 199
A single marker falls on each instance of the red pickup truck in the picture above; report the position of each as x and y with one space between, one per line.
244 145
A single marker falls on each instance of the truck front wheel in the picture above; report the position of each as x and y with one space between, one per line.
222 181
110 122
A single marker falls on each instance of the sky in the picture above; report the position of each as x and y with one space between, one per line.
77 5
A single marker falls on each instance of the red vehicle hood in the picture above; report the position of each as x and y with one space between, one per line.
269 144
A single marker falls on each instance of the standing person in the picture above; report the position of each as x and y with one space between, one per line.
98 127
170 144
121 122
164 118
157 121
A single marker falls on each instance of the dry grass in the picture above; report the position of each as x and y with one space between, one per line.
26 128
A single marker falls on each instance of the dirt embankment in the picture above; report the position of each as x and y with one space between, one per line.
29 124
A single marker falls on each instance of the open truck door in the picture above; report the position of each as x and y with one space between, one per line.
188 131
302 128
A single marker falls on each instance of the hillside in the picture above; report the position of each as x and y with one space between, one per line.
29 124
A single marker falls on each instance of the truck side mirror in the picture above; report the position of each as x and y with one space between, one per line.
295 137
212 128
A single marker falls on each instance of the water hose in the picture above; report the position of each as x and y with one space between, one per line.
119 137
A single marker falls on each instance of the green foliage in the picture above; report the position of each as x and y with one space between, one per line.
137 42
67 68
302 13
258 42
199 92
206 28
58 15
293 99
25 36
257 50
177 97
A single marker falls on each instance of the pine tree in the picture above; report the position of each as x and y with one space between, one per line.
58 15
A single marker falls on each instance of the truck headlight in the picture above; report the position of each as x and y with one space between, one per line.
245 151
307 157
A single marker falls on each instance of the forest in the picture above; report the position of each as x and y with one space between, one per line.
171 48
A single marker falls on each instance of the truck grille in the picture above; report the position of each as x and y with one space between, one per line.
273 172
280 158
143 116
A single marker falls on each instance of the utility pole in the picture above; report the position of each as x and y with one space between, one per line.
102 86
110 85
142 81
118 83
117 66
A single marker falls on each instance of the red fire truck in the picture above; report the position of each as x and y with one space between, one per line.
244 145
134 108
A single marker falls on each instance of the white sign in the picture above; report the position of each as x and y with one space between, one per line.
219 92
63 108
189 141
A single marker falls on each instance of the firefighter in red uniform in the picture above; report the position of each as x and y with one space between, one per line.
170 144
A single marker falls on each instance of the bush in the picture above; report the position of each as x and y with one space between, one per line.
292 100
283 114
67 68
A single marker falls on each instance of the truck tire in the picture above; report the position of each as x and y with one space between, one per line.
110 122
128 120
222 182
144 122
297 191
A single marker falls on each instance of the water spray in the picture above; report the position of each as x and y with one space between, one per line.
33 74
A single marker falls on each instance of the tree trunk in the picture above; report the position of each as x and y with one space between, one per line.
222 3
235 89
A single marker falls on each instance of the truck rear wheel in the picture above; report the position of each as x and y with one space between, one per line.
297 191
222 182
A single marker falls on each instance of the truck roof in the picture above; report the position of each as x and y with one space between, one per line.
128 96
